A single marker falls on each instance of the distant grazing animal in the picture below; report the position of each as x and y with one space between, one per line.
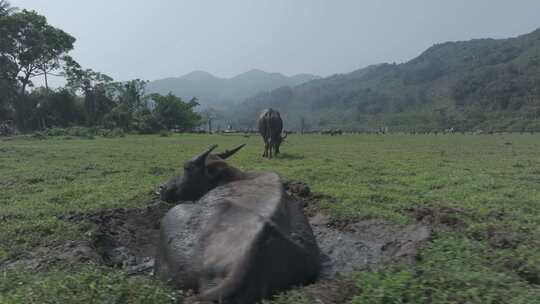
243 240
336 132
270 127
332 132
450 130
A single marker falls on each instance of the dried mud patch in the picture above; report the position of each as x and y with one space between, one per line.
122 238
366 243
43 258
443 217
126 238
349 245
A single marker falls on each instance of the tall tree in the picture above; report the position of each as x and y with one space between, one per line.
59 108
7 72
32 45
29 47
98 90
173 112
8 88
210 115
129 99
131 94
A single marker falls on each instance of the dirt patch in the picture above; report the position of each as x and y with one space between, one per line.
43 258
349 245
302 192
503 237
365 243
446 218
123 238
126 238
335 291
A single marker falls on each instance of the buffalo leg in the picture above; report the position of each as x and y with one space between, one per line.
265 154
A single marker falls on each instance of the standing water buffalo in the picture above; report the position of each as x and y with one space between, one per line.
241 241
270 127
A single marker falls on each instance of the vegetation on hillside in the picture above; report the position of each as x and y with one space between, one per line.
482 84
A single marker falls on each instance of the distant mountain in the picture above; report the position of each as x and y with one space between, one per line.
222 92
198 76
483 84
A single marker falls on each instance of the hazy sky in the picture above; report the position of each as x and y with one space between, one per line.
129 39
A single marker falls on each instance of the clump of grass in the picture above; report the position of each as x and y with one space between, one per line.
87 285
462 266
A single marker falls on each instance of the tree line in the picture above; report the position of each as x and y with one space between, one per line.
31 49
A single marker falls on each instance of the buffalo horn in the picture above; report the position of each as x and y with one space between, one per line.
201 158
228 153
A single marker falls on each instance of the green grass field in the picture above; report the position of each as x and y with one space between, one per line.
491 256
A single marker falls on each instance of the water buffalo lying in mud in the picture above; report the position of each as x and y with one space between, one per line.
270 127
243 239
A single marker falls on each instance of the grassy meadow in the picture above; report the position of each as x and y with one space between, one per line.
489 253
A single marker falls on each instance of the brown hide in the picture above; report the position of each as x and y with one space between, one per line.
241 242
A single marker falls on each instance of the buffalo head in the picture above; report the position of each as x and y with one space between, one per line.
201 174
279 141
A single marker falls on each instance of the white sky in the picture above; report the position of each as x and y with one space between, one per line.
129 39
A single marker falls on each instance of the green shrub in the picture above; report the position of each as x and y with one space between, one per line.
55 132
146 123
79 131
164 133
116 132
39 135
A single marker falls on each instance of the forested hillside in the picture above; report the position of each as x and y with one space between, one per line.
484 84
221 92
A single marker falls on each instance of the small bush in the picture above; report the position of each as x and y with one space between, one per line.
116 132
164 133
55 132
80 131
71 132
146 123
39 135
